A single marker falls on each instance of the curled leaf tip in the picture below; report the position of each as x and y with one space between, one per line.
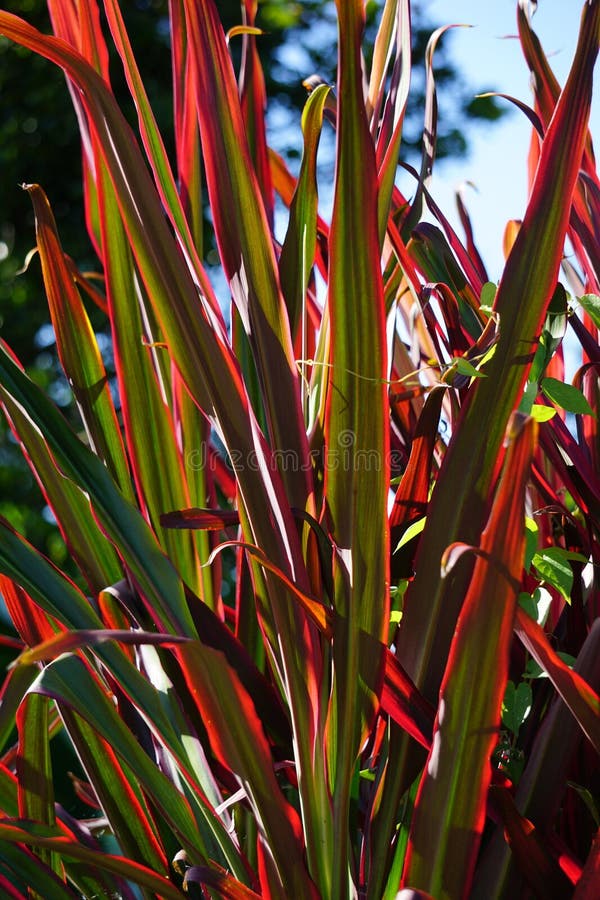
313 82
243 29
452 554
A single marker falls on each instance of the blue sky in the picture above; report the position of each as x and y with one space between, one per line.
497 161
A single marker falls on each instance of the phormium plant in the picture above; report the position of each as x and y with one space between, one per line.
399 697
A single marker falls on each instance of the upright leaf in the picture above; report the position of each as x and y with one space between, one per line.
356 434
77 347
298 251
451 804
473 454
245 243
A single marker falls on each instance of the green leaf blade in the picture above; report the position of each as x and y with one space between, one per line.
356 432
77 346
451 803
474 452
566 396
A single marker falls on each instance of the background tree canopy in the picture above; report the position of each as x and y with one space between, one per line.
40 143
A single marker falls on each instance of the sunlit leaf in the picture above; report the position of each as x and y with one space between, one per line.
411 532
24 832
581 699
474 452
542 413
457 776
566 396
356 493
552 564
591 304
